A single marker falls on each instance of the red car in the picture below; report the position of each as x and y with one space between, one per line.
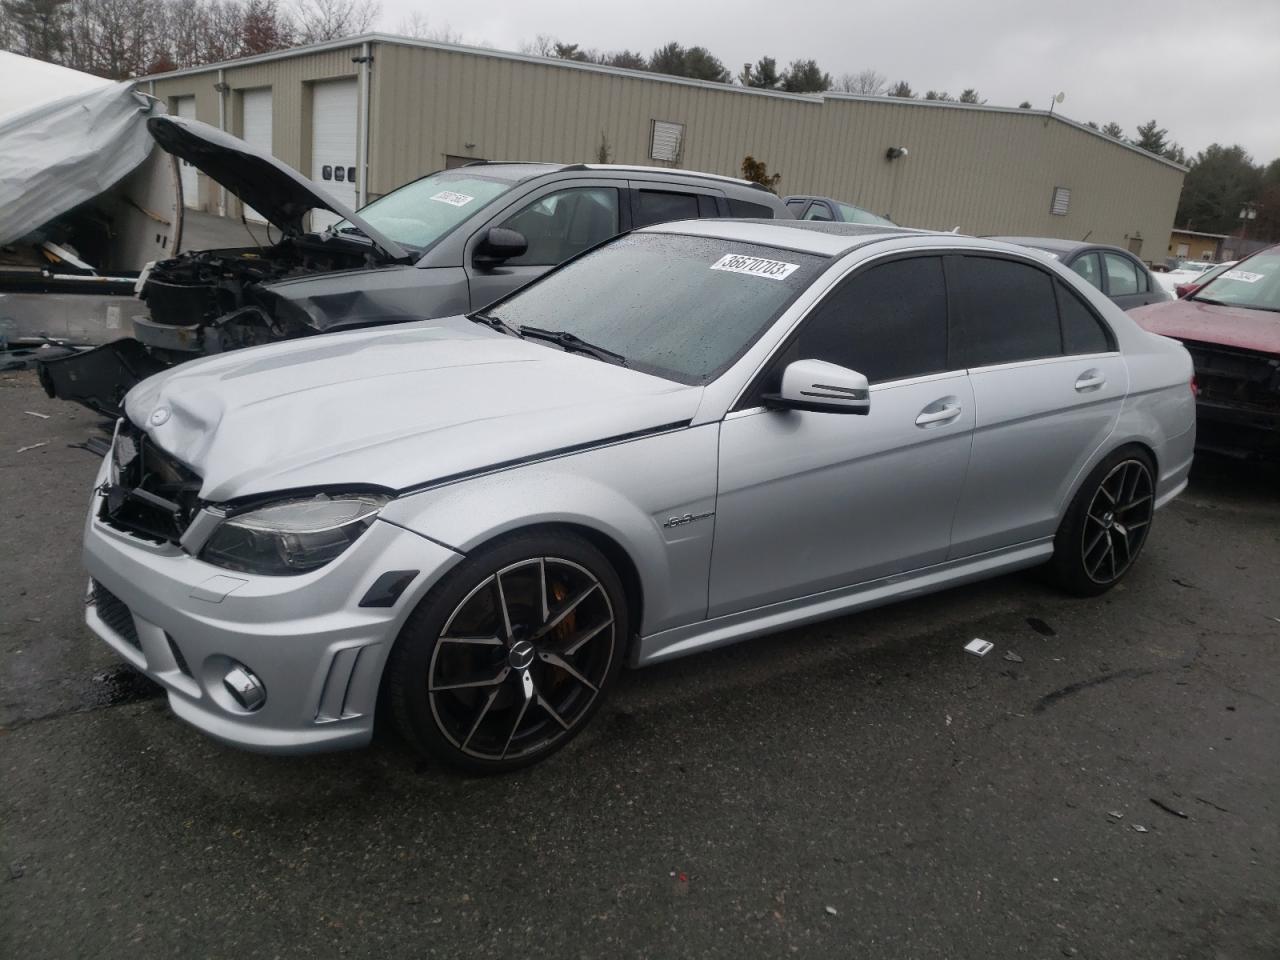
1231 327
1188 287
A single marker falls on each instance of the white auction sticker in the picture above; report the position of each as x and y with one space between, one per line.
1242 275
755 266
453 199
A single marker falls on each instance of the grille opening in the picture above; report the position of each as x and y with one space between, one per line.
156 495
115 614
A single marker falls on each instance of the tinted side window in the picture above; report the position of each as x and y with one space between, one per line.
745 208
659 206
1122 278
820 212
795 206
1005 311
888 323
1082 332
562 225
1089 268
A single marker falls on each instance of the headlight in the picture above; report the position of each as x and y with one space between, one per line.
293 536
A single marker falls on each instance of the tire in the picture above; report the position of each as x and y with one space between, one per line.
488 692
1106 526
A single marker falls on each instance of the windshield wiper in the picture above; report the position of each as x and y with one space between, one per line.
572 342
494 323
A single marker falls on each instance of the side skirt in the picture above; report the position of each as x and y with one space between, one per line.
706 634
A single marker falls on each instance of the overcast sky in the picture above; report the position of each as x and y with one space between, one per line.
1207 70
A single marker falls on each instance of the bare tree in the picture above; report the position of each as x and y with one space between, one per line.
543 45
320 20
871 83
418 25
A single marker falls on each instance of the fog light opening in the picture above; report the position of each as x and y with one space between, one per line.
245 688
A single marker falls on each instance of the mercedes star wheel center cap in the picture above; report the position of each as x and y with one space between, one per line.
521 655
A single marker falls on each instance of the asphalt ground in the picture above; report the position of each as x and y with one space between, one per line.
1105 783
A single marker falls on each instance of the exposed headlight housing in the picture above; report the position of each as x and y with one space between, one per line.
292 536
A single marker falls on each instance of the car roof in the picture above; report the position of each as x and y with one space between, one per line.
807 236
1052 244
520 170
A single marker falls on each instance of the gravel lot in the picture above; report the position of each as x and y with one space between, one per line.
860 788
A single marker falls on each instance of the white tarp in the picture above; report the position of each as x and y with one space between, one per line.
77 137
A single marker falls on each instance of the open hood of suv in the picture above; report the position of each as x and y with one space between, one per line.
274 189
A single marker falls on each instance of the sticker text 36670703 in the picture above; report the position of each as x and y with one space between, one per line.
755 266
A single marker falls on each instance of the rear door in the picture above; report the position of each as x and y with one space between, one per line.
333 144
1128 283
813 501
560 221
1047 383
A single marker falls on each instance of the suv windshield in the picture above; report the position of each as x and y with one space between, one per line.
420 213
679 307
1253 283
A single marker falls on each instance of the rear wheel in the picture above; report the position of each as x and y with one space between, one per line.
508 658
1106 525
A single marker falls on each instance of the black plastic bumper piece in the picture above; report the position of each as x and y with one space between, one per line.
99 378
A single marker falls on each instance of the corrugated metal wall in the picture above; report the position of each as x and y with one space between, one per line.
982 170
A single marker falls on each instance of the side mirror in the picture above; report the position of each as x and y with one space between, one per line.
498 246
821 387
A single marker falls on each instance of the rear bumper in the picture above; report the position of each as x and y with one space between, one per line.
318 654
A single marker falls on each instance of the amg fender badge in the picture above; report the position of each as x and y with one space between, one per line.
687 518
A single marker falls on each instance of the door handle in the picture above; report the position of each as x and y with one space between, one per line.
939 412
1090 380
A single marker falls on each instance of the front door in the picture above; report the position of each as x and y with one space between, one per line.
1048 385
815 501
558 222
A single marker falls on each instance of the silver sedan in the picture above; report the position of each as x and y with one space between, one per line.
693 434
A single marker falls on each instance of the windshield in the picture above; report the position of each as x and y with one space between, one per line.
1253 283
420 213
683 308
852 214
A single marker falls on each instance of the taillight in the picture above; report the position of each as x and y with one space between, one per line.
1195 387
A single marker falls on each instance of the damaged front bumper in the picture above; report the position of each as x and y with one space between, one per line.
313 651
1238 402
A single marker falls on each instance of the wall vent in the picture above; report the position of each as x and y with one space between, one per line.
667 141
1061 201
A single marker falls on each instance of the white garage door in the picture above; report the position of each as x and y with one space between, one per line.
333 144
190 188
257 131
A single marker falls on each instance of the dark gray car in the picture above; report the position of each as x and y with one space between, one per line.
830 210
1116 272
448 243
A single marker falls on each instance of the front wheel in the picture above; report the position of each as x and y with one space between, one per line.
507 659
1106 525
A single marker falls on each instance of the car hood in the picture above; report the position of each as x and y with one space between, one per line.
1208 323
394 407
274 189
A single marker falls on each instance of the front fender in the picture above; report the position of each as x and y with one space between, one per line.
625 491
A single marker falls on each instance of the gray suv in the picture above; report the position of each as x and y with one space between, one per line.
448 243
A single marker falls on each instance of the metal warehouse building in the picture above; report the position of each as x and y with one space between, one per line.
366 114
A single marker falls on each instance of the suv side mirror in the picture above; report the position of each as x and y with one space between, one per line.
498 246
821 387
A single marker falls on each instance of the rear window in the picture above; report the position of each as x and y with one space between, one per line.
748 210
660 206
1082 332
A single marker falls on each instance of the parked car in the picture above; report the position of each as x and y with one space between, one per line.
1116 272
1188 287
645 453
444 244
829 210
1231 327
1184 271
